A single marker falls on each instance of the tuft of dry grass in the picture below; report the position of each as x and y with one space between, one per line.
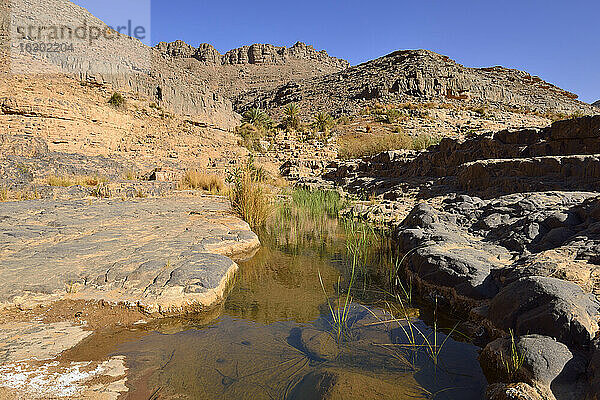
68 181
249 199
18 195
365 145
424 141
194 179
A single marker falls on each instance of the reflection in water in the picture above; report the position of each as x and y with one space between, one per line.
272 340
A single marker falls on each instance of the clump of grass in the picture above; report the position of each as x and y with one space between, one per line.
403 289
417 341
514 361
117 100
340 310
18 195
249 198
360 239
193 179
319 202
424 141
130 175
357 146
76 180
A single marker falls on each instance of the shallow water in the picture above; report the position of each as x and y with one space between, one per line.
253 349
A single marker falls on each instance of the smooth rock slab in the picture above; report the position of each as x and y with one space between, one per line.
165 255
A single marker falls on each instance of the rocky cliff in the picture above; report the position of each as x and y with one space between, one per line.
122 62
596 104
419 75
254 54
259 67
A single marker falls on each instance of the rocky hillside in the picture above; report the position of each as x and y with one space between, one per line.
123 62
417 76
596 104
254 54
257 67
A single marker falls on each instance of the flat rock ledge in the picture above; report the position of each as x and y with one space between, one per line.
165 256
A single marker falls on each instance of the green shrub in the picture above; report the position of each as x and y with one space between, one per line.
291 120
117 100
257 118
323 122
251 136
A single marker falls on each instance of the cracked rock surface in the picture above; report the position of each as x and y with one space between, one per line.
164 255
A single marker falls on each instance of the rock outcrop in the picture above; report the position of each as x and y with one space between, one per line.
548 365
254 54
256 67
120 62
504 234
419 75
562 156
164 256
596 104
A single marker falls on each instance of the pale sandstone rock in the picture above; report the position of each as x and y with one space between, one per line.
165 256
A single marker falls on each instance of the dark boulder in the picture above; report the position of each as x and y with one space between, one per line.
546 306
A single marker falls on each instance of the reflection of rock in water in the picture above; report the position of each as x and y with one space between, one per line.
274 286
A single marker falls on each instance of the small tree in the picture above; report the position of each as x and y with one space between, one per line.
257 117
291 119
323 122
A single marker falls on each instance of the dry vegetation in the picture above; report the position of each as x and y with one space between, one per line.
194 179
77 180
18 195
248 195
366 145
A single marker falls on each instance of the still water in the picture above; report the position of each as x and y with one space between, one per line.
273 337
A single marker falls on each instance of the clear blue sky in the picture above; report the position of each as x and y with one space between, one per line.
557 40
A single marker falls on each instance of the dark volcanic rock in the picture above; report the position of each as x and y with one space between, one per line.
547 306
444 255
468 241
544 360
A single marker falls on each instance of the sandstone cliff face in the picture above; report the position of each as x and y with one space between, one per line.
254 54
121 62
419 75
259 67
